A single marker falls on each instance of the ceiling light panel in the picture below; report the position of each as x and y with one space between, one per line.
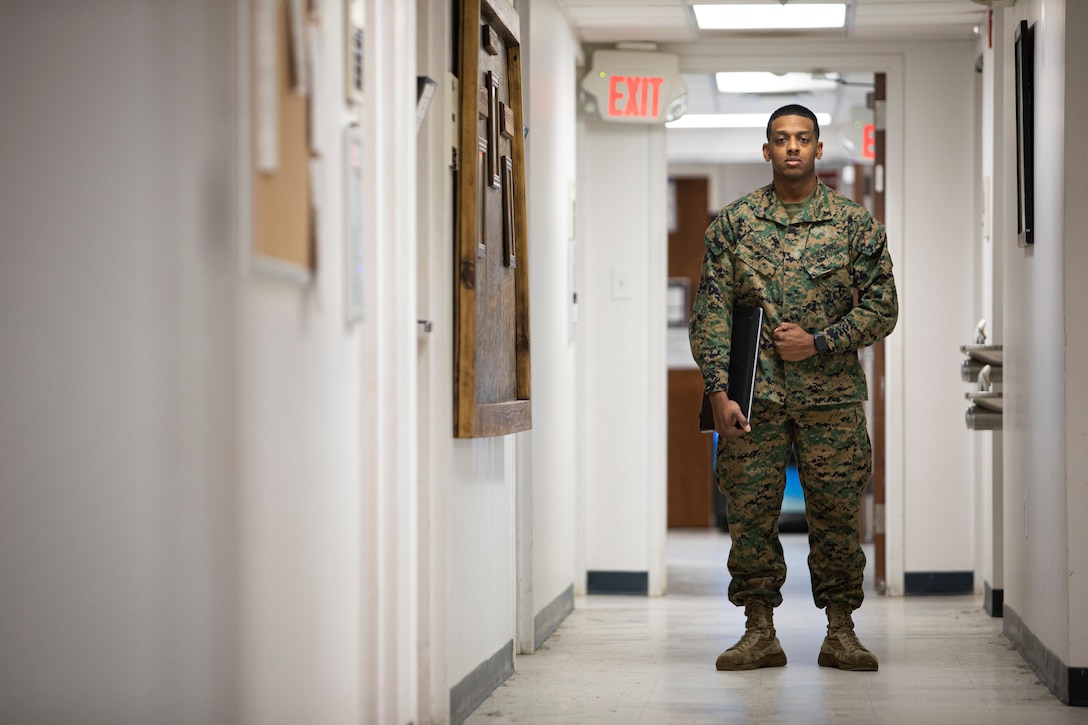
763 82
770 16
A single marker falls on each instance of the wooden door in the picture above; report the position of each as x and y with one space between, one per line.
690 453
879 544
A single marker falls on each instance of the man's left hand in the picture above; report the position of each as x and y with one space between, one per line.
793 343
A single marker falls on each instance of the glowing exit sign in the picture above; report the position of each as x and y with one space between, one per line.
634 96
635 86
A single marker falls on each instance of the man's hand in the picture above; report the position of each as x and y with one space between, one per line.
792 342
728 420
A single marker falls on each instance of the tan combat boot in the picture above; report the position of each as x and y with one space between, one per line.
758 646
841 647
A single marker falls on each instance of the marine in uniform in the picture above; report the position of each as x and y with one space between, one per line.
818 265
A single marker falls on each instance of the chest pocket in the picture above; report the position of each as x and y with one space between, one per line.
754 262
830 271
829 267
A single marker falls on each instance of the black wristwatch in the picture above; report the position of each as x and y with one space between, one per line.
821 342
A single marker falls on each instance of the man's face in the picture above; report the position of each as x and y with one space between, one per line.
793 148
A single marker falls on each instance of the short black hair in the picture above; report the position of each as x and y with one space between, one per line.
794 109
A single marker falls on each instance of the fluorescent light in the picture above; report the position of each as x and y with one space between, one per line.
764 82
774 16
732 120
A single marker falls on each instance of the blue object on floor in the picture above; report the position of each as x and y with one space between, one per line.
792 519
794 498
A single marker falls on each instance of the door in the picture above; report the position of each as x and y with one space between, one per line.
690 453
877 382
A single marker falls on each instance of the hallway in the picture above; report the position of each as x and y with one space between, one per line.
650 660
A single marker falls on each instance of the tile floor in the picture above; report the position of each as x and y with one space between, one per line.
627 660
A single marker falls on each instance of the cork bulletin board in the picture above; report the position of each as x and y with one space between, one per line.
282 216
491 356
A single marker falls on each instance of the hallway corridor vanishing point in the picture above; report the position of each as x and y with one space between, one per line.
943 660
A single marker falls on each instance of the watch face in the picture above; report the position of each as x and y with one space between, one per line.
821 342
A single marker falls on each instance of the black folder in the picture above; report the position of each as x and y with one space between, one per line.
743 364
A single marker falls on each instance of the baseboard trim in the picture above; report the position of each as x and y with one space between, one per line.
939 582
469 693
617 582
550 617
993 600
1069 684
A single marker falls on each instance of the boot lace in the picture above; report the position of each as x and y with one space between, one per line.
752 639
849 641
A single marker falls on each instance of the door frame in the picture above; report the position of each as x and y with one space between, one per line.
747 58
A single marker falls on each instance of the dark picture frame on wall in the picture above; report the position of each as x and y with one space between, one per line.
1024 58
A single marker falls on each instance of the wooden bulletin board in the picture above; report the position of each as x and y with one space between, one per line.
282 209
491 357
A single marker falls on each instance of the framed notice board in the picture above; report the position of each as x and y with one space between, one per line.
282 217
491 292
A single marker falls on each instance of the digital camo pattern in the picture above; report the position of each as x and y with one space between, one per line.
803 272
834 462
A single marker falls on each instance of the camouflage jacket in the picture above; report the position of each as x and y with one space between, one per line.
803 272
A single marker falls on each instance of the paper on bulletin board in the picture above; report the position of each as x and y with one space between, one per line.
296 18
267 107
353 57
314 68
353 224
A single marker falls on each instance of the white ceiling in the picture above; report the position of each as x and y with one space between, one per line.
672 21
671 24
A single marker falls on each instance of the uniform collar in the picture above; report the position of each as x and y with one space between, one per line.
770 207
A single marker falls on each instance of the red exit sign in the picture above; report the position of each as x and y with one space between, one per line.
634 86
634 96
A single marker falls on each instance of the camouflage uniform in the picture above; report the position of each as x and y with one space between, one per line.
804 272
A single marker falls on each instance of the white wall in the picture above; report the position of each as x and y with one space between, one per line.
1035 517
117 549
435 394
327 507
1076 356
468 535
307 504
989 566
209 479
489 525
551 149
1045 429
622 339
481 552
208 509
935 279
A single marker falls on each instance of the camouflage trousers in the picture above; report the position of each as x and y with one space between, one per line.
834 462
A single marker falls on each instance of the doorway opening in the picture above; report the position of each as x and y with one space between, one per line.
714 157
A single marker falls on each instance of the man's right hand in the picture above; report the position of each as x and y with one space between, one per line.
728 420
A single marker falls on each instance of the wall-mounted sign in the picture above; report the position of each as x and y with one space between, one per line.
859 136
636 86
